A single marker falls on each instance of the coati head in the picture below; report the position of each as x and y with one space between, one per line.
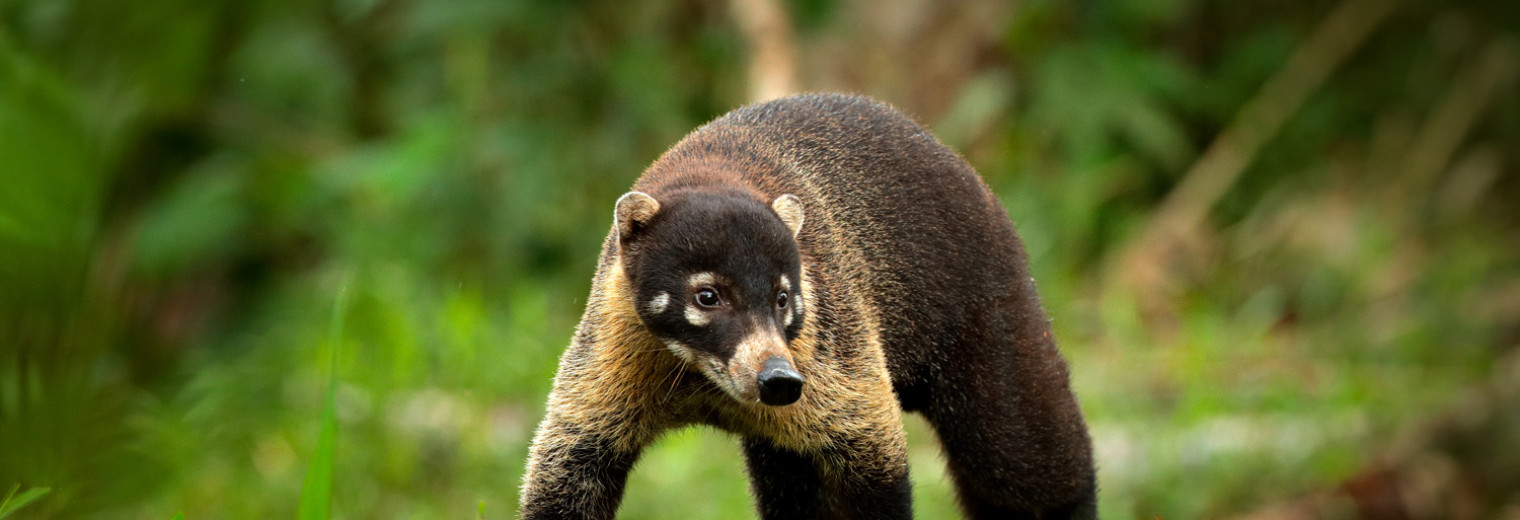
716 277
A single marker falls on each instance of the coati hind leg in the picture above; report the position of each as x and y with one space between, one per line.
1012 432
1006 471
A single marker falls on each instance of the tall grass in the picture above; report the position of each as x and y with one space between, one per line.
317 491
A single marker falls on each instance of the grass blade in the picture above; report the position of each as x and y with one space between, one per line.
316 491
14 502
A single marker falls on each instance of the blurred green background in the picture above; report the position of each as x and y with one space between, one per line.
1279 239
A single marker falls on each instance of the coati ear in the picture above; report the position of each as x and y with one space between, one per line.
789 208
634 209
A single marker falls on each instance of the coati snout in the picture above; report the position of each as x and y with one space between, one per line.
716 277
779 384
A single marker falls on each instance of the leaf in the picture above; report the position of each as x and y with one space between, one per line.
10 505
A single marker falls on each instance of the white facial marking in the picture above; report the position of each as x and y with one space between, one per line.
701 279
680 350
695 316
658 304
794 301
717 373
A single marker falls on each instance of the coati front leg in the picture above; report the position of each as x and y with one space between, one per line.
573 473
871 473
844 455
785 483
847 482
587 443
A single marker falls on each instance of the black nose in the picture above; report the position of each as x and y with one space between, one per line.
780 385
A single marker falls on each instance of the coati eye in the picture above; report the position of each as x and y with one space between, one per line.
781 300
708 297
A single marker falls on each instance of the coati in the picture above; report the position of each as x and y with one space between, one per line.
800 272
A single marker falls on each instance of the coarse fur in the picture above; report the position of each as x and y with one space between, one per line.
838 238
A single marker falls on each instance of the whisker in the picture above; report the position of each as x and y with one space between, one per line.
678 372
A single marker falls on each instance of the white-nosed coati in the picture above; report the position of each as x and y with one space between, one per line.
800 272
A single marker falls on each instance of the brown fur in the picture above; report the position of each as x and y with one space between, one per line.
951 329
